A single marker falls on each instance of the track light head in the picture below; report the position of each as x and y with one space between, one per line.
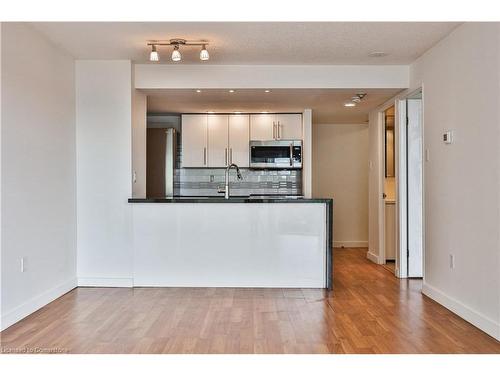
176 54
204 53
154 56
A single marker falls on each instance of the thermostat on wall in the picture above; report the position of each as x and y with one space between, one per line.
448 137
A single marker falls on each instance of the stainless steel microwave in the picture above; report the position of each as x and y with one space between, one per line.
276 154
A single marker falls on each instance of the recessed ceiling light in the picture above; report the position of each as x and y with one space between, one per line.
378 54
349 104
231 90
264 112
267 90
198 90
237 113
210 112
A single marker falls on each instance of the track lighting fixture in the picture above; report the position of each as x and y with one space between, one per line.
176 53
355 100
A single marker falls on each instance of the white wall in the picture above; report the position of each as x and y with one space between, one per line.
157 76
461 81
139 112
340 171
104 165
38 215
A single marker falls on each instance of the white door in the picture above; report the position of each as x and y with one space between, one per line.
239 136
415 188
289 126
218 150
194 141
263 127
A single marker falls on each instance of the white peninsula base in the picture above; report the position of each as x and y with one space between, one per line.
278 245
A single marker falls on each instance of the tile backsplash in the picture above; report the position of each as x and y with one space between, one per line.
205 182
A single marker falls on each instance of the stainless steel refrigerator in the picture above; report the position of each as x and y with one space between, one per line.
161 146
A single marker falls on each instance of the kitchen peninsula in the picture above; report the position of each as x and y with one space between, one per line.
238 242
224 206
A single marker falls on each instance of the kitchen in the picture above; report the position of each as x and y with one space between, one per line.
269 235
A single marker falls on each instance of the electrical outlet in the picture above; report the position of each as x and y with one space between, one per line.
452 261
427 155
23 264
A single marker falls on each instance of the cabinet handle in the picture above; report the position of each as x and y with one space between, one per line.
225 156
231 155
204 156
279 130
291 154
274 130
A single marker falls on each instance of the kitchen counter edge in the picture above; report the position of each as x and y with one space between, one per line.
230 200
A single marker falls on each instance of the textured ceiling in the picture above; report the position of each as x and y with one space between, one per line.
327 105
253 42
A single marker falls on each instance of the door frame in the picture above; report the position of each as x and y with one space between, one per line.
399 103
401 182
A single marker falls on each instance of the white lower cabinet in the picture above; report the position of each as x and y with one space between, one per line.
390 231
239 136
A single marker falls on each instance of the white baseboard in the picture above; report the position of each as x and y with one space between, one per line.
374 258
106 282
474 317
36 303
350 243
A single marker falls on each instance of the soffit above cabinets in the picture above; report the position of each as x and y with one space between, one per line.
327 105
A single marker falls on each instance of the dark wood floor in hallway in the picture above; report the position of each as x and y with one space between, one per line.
369 311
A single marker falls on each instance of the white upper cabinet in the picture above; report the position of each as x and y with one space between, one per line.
218 149
262 127
265 127
194 141
289 126
215 141
239 136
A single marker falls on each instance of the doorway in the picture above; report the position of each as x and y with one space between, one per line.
389 195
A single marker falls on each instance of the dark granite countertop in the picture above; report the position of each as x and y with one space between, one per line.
235 199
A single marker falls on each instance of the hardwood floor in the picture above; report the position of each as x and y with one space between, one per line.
369 311
390 266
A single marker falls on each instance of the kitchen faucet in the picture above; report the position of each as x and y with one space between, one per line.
226 176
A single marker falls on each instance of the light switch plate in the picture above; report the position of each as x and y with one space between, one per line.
448 137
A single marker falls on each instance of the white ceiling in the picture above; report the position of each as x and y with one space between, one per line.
327 104
253 42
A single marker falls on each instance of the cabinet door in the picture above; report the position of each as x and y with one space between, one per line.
289 126
218 150
239 137
262 127
194 141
